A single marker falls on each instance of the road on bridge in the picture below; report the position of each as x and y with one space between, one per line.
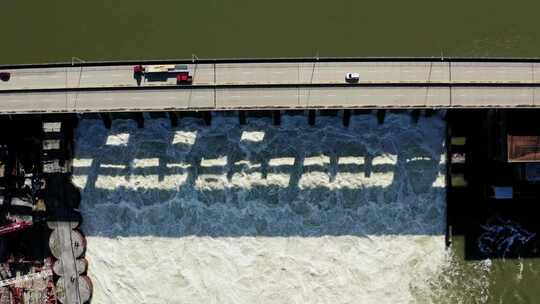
394 84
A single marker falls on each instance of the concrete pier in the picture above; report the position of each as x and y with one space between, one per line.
415 115
173 116
381 114
242 117
139 118
276 117
346 117
207 117
311 117
107 120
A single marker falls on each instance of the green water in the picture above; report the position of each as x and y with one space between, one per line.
56 30
497 280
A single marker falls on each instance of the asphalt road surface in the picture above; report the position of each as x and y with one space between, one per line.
393 88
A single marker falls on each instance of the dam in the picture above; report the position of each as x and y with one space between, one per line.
283 173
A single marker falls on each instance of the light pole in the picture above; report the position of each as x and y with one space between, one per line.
73 59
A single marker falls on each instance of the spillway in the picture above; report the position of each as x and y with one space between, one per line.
261 213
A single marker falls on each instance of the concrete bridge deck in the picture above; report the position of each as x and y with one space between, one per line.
268 98
276 85
282 73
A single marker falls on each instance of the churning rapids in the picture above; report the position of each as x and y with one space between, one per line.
262 213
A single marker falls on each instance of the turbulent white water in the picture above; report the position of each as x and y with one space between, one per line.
263 214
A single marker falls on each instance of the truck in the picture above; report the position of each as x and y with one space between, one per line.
180 72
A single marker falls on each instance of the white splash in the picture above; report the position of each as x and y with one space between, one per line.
120 139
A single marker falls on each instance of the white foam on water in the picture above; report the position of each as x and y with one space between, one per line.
145 162
205 215
82 162
253 136
120 139
182 137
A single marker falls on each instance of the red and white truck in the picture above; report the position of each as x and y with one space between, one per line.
181 72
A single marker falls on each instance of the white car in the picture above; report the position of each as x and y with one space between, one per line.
352 77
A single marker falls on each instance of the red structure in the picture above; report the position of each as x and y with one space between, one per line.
14 227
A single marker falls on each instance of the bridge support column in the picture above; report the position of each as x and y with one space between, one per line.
242 117
346 117
74 120
107 119
415 114
174 119
207 117
311 117
276 117
139 118
380 116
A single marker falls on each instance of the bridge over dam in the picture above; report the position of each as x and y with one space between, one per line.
273 85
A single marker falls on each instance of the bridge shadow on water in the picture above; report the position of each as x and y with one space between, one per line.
228 180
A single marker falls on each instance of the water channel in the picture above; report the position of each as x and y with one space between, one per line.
57 30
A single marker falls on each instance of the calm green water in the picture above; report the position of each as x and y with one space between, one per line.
56 30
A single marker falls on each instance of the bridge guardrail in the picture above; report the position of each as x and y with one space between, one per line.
269 60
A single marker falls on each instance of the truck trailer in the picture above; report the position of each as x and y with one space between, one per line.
181 72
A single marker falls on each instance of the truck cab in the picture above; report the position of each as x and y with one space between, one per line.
138 70
163 72
184 78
